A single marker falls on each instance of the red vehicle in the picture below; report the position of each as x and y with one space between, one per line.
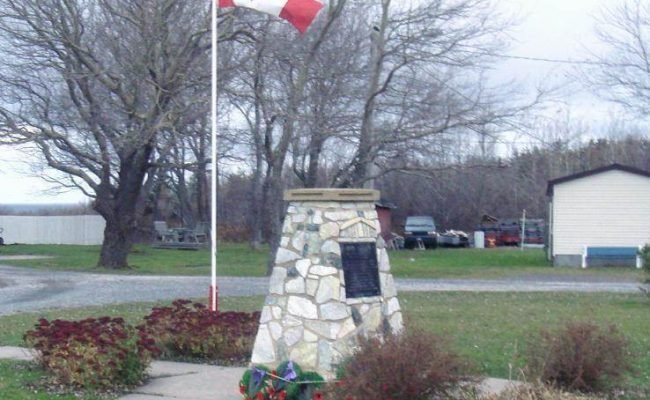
508 237
507 232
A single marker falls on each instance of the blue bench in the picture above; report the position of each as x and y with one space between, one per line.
611 255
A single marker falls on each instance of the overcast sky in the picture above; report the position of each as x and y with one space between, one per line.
551 29
557 30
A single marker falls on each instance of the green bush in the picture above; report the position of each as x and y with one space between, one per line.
189 330
645 256
580 357
415 365
92 353
287 382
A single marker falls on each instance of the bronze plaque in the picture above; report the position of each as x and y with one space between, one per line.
360 269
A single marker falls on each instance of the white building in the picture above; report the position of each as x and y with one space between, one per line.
45 229
600 208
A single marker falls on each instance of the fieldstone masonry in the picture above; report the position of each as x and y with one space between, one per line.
307 316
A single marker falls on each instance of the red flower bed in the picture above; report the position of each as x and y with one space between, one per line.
98 353
189 330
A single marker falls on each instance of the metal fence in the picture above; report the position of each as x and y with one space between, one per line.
68 229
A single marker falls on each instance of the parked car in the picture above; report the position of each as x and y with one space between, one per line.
419 232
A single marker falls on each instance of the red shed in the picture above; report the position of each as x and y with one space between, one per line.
384 211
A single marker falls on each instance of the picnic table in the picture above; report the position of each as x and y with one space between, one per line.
180 238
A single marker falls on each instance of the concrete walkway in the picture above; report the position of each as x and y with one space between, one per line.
175 380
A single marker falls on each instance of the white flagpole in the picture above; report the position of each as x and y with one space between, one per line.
213 156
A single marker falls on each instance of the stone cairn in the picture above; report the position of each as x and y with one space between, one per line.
310 315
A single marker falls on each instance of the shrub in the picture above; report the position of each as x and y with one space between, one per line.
92 353
415 365
580 357
645 256
233 233
190 331
287 382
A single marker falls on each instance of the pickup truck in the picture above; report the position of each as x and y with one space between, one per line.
420 232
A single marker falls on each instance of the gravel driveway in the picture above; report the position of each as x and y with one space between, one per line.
24 289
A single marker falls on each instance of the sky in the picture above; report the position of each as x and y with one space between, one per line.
558 30
19 185
551 29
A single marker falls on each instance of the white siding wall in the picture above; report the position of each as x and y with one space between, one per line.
73 229
607 209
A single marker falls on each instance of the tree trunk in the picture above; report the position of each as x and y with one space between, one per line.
257 208
202 198
275 206
117 244
119 208
315 150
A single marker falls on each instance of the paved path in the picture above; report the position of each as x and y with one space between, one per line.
26 289
175 380
524 284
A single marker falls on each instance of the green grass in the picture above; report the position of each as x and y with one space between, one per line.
236 259
491 329
489 264
15 376
466 263
232 259
22 380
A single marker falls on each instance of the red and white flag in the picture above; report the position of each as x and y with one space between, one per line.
300 13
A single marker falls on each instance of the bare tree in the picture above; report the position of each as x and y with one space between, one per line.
621 73
273 93
93 84
353 99
424 79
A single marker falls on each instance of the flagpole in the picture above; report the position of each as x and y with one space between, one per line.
213 157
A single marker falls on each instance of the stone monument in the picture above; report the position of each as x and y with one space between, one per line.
330 283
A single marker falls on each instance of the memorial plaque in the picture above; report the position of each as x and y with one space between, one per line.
360 269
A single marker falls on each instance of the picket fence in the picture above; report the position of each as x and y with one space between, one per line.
68 229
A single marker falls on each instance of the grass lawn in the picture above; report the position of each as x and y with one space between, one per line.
491 329
237 259
494 263
15 376
232 259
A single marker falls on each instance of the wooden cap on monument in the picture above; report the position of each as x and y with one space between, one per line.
331 195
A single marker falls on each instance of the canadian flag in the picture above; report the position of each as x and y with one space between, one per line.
300 13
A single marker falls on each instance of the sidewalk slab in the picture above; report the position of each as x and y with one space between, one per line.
494 386
16 353
175 380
